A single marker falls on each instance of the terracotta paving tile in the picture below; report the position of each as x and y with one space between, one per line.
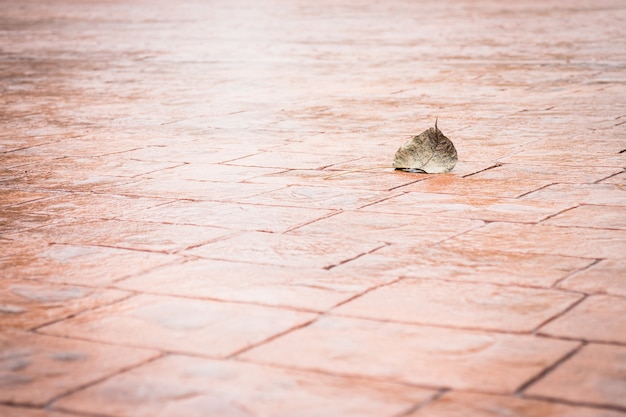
604 277
573 157
319 197
479 405
110 165
70 206
158 237
465 264
464 305
619 180
595 375
38 368
291 160
296 287
212 172
26 304
412 354
600 217
379 179
399 228
173 188
186 386
552 173
12 197
9 411
195 153
287 250
252 217
596 194
554 240
582 321
510 187
80 265
469 207
200 327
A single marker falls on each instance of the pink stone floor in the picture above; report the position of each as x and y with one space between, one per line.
198 215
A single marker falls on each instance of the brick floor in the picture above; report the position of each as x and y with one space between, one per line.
198 215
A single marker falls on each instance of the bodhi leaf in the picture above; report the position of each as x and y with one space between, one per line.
430 152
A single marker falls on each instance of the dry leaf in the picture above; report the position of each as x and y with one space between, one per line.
430 152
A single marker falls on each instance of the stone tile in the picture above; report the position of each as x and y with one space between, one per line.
582 321
38 368
544 239
185 386
552 173
599 217
465 264
594 376
390 228
252 217
85 206
10 411
193 154
319 197
377 179
457 404
604 277
619 180
80 265
286 250
575 194
157 237
200 327
456 304
294 287
469 207
291 160
420 355
26 304
175 188
510 187
12 197
212 172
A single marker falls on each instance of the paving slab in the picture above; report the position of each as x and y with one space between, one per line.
200 327
179 385
74 264
589 377
305 288
27 304
605 276
582 321
420 355
38 368
480 405
461 305
414 260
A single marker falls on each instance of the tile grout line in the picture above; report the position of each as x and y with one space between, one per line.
520 390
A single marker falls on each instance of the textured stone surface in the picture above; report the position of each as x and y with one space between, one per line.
227 166
421 355
180 325
607 276
306 288
184 386
590 377
26 304
598 318
478 405
38 368
575 241
477 306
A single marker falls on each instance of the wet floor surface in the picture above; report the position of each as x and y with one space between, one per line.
198 215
